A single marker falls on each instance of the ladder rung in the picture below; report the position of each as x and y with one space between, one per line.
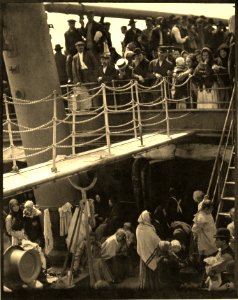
230 182
223 214
232 168
228 198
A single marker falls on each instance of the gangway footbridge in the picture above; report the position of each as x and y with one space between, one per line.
125 122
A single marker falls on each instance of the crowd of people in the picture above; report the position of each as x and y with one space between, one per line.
160 249
175 47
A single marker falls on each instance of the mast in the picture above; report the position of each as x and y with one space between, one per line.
32 75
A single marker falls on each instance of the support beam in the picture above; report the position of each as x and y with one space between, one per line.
104 11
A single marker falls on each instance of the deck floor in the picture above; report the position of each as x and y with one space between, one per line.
68 165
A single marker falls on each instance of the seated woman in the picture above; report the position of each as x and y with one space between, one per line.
100 268
206 80
168 267
115 253
15 222
112 223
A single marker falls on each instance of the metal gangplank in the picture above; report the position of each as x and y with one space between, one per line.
100 128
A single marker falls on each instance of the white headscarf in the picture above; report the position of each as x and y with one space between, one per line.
147 240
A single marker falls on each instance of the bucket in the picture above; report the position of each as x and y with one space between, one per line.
20 265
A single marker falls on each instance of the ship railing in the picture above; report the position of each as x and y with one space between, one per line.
80 98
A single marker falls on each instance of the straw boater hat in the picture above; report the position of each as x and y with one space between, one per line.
121 64
20 265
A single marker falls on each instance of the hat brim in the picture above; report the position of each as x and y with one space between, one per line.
118 68
222 236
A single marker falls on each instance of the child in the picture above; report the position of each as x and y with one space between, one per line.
181 90
30 210
198 197
100 269
204 229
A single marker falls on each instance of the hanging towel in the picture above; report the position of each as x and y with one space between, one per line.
47 232
65 214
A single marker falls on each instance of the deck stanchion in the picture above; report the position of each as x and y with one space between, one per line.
166 109
114 94
54 119
74 108
106 118
133 110
138 113
12 146
190 91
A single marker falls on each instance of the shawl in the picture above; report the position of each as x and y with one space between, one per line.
147 240
110 247
47 232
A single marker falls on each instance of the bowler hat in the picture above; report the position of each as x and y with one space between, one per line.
132 21
162 49
71 21
149 19
137 51
79 43
21 265
58 47
223 233
121 63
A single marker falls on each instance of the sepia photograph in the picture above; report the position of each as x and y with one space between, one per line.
119 147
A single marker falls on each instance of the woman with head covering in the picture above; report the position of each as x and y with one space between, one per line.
147 249
115 253
221 69
204 229
206 80
15 222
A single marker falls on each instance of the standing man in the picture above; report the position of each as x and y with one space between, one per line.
60 60
157 34
106 73
84 65
95 35
71 36
177 39
132 34
159 68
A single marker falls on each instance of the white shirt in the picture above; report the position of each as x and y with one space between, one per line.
83 66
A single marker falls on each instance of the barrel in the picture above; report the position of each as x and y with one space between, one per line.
21 266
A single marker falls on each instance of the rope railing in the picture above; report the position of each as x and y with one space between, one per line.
160 94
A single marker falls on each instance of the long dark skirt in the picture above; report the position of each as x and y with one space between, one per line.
149 279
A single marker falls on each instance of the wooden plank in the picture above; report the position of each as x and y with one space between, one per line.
68 165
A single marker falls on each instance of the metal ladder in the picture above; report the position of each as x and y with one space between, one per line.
221 188
227 200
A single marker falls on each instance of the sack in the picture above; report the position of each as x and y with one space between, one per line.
81 99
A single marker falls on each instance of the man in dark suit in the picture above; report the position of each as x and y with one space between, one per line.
132 34
95 35
157 38
159 68
84 65
106 73
71 36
